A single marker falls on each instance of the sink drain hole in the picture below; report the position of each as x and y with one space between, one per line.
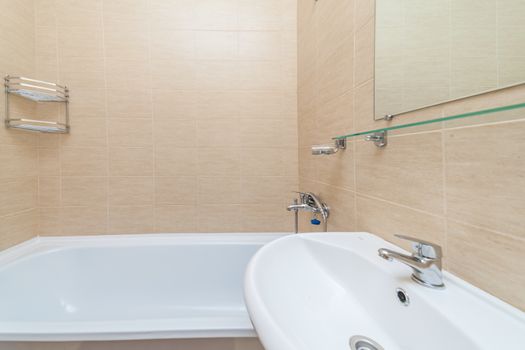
359 342
402 296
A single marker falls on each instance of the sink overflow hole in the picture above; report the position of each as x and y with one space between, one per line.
358 342
402 296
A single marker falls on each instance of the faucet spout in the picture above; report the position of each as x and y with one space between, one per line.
299 207
425 262
414 262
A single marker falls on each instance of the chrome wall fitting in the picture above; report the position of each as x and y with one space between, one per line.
310 202
380 139
318 150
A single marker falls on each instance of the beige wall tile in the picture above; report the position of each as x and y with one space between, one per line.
131 191
173 104
224 133
17 228
18 194
219 161
364 52
212 105
84 161
408 171
219 190
259 133
170 161
260 15
219 218
180 190
130 103
84 191
86 132
175 218
83 220
125 74
131 161
175 132
264 218
216 45
268 162
130 132
337 169
87 103
259 189
49 222
216 15
259 75
49 191
488 260
260 45
217 74
342 207
135 219
485 186
387 219
48 162
18 161
172 44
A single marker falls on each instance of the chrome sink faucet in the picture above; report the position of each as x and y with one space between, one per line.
425 261
310 202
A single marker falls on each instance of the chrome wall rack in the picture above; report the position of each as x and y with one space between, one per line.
36 91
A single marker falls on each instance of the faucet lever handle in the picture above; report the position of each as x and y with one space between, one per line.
302 196
424 248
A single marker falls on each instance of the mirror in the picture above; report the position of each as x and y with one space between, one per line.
431 51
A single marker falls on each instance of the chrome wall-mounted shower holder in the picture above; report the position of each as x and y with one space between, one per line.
323 150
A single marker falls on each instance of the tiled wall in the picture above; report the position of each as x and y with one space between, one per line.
18 152
183 115
459 184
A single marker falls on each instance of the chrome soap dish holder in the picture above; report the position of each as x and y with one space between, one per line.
36 91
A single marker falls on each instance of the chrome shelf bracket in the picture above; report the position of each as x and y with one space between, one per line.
380 139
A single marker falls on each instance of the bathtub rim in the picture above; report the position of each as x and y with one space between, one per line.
48 244
177 328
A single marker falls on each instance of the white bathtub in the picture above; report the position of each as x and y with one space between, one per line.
126 287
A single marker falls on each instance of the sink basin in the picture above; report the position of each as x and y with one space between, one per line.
317 291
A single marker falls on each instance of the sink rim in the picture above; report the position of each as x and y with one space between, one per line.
259 312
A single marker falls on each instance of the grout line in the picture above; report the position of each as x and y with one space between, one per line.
153 118
59 145
106 114
444 187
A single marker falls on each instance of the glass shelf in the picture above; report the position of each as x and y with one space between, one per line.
436 120
36 90
38 125
38 96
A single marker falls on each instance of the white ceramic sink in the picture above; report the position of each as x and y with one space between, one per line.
315 291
